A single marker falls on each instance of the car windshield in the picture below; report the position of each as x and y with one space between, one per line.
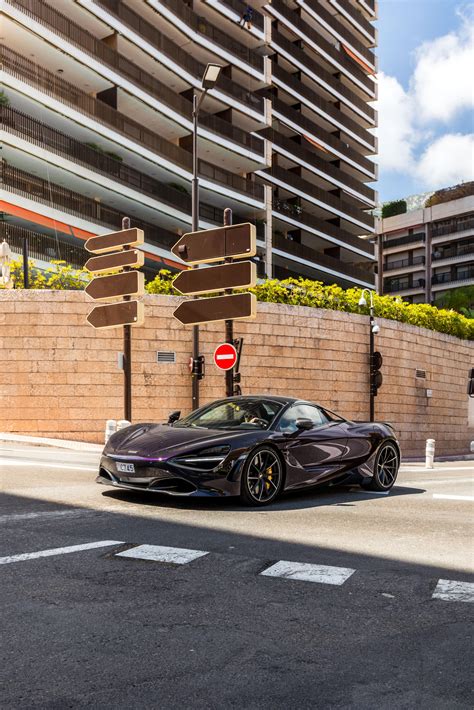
233 414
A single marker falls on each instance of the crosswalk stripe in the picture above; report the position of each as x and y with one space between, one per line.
58 551
441 496
322 574
452 591
160 553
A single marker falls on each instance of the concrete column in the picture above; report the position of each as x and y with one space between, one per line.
268 231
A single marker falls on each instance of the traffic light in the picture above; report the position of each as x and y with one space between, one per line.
470 383
376 377
197 367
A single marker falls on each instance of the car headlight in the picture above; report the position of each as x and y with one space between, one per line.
205 460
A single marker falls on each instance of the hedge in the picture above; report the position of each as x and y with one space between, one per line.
390 209
315 294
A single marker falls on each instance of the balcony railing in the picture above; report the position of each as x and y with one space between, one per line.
453 252
402 263
461 275
324 76
317 258
404 285
62 25
307 126
294 181
42 247
305 152
214 34
456 225
305 219
358 17
161 42
409 239
65 92
294 84
238 6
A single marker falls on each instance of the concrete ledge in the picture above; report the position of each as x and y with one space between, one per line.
56 443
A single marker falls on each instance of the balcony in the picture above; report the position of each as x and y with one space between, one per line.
403 263
42 247
336 146
156 89
237 6
357 19
407 284
337 266
400 241
327 110
325 79
303 153
454 252
165 45
294 214
207 31
466 274
292 182
53 85
453 226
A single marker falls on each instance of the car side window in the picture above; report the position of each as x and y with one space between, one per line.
287 423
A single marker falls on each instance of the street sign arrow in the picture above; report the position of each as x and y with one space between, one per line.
128 283
209 310
242 274
111 262
115 240
209 245
113 315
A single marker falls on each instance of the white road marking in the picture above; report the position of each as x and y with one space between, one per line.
441 469
435 480
440 496
159 553
322 574
46 514
58 551
452 591
16 462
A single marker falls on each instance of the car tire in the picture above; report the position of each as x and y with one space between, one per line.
386 465
262 477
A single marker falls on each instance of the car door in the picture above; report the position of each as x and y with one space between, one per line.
313 455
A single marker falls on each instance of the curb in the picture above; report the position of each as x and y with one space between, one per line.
56 443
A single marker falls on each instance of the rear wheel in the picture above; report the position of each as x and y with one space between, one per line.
385 469
262 477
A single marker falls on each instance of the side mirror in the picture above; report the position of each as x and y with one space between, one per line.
174 416
304 424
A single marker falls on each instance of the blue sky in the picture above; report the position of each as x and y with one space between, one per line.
426 64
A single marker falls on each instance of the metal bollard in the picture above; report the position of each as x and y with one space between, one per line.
110 428
122 423
429 453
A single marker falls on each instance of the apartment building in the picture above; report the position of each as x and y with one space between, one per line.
96 108
427 251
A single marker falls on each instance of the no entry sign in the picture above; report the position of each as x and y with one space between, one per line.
225 356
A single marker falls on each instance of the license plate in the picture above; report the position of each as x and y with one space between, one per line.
126 467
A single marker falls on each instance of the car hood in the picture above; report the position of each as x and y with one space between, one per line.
162 440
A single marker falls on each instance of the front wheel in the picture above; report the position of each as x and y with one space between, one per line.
262 477
385 469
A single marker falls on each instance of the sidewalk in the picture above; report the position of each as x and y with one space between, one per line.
56 443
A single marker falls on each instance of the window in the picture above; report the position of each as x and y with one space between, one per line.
243 413
287 423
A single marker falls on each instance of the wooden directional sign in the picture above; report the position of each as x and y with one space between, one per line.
115 240
207 310
242 274
209 245
112 262
116 314
128 283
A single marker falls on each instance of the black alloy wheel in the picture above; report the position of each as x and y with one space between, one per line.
385 469
262 477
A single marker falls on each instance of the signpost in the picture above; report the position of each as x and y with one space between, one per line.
208 246
118 256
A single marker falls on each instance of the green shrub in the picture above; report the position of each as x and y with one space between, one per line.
315 294
390 209
4 100
58 277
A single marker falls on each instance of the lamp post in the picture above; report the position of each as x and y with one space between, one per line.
374 329
209 80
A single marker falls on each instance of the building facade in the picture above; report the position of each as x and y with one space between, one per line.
96 107
426 252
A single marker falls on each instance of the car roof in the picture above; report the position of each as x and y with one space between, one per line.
282 399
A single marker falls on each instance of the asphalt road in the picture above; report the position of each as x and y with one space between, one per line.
372 627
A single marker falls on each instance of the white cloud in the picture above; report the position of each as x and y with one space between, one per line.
441 85
396 130
447 161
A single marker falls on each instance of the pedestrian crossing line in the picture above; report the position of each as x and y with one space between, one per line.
160 553
58 551
441 496
322 574
452 591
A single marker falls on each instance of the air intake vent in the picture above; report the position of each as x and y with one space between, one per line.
420 374
164 356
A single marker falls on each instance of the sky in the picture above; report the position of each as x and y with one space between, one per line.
426 95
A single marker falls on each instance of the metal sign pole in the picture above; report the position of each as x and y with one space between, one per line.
127 351
229 324
195 228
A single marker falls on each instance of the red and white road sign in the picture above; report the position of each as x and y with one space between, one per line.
225 356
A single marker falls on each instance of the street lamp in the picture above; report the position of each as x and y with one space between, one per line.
209 80
375 359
